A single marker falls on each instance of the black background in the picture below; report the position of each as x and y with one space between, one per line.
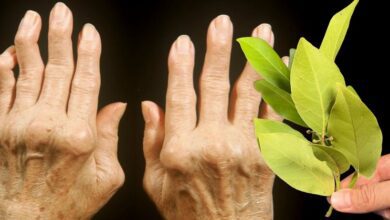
136 38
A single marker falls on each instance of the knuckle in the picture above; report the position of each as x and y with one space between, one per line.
56 65
22 39
364 197
88 48
215 82
78 142
180 64
59 33
180 97
87 82
118 179
38 134
221 154
173 158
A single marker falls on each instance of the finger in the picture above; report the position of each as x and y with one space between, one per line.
267 112
154 131
214 81
382 173
362 199
245 99
60 67
152 145
181 98
30 62
286 60
86 81
7 80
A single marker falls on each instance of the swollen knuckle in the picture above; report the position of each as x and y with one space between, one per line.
22 39
86 83
220 154
175 159
38 134
118 179
78 142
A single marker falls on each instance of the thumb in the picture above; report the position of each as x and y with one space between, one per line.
153 142
107 126
362 199
105 154
154 131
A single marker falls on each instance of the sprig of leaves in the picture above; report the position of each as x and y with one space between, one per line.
311 92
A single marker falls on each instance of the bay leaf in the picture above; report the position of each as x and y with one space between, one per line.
355 131
336 31
263 126
293 160
313 85
263 58
338 158
280 101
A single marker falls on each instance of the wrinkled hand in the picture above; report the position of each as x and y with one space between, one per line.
57 155
210 167
368 195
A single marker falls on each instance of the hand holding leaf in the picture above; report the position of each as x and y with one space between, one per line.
311 92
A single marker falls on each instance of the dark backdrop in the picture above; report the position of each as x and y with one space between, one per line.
136 38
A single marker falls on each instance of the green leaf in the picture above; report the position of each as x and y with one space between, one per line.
351 89
313 85
293 160
291 58
263 126
340 161
356 132
266 62
280 101
336 31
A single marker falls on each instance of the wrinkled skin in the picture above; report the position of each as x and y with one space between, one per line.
368 195
57 154
208 167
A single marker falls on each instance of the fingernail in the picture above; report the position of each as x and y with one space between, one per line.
264 32
29 19
145 112
89 32
223 26
183 43
222 22
341 200
59 12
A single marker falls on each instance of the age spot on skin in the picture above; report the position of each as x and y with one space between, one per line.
60 215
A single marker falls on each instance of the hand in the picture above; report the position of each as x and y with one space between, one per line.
210 167
368 195
57 155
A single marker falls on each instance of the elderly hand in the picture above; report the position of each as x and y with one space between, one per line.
208 167
368 195
57 154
